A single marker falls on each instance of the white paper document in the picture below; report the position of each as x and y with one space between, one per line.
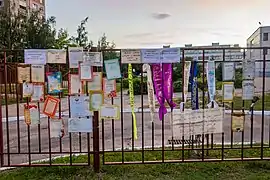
75 55
228 91
197 122
109 112
95 58
80 125
130 56
56 127
35 56
151 55
228 71
248 89
248 69
170 55
79 106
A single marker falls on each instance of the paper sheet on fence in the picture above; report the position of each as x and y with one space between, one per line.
195 122
75 84
80 124
170 55
112 68
23 74
228 92
27 89
79 106
130 56
56 127
248 89
248 69
151 55
96 83
35 56
95 58
34 116
38 92
75 55
57 56
37 73
228 71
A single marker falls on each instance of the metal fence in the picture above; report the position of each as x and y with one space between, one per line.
24 145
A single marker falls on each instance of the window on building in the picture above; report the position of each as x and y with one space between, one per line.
265 36
265 51
1 3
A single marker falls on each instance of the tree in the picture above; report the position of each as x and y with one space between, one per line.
62 41
82 36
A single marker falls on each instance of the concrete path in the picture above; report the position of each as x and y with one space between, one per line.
144 122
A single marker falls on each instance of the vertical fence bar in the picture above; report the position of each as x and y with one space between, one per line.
122 114
113 143
1 132
39 134
6 103
142 92
162 126
263 99
96 142
49 125
18 113
203 84
153 124
243 111
103 140
29 136
60 110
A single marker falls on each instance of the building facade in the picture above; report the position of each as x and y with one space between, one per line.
260 38
23 6
217 55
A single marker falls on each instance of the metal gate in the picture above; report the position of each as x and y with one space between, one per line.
25 145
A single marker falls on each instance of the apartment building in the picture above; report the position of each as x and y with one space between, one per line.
260 38
216 54
23 6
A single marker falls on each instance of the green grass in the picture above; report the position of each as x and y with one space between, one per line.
196 171
238 103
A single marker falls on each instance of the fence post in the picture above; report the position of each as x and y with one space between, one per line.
1 135
96 142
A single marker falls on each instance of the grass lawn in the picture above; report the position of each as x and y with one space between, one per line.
222 170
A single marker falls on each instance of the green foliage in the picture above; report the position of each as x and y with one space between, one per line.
137 84
177 86
81 39
21 31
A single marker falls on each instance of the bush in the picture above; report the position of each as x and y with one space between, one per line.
177 86
137 85
125 83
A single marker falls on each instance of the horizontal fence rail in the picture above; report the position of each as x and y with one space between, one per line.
112 141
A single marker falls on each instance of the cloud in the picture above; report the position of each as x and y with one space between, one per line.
160 16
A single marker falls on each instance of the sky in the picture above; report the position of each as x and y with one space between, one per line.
154 23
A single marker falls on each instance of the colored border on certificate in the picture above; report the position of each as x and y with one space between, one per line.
43 91
106 117
100 81
61 81
239 114
69 84
80 72
114 92
50 98
28 75
227 100
90 99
